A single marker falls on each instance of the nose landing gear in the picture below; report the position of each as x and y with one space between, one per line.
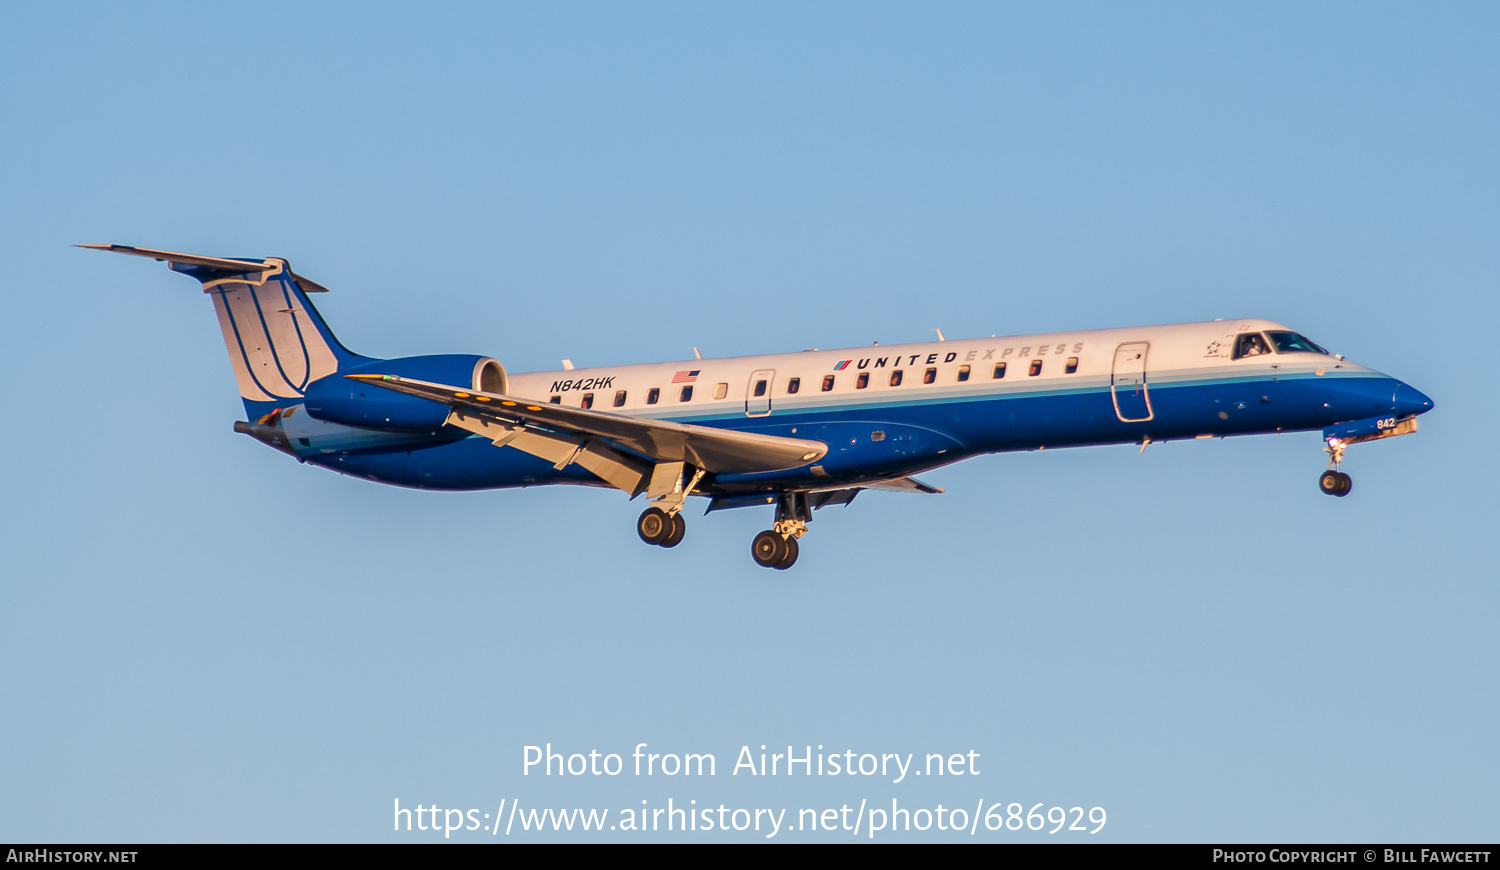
1333 481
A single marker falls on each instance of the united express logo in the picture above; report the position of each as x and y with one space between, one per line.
952 356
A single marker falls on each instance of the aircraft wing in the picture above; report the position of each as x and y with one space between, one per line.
715 450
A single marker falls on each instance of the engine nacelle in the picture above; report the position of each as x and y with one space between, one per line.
352 402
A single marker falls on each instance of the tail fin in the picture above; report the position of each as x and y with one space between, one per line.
277 341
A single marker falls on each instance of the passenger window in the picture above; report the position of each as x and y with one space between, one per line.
1035 369
793 385
999 371
1250 344
827 383
721 390
896 378
1071 366
588 401
963 374
760 388
686 395
619 398
929 376
653 395
862 381
557 400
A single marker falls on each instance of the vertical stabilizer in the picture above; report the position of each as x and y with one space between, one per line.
278 343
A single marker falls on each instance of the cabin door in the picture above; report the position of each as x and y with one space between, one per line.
758 393
1128 384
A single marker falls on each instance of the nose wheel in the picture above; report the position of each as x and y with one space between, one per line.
1335 483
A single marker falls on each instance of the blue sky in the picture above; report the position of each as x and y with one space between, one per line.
206 641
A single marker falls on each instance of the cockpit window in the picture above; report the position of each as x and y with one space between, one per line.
1291 342
1250 344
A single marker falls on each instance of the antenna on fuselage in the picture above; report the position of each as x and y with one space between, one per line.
696 354
939 331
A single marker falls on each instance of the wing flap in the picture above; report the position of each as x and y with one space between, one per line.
821 498
904 484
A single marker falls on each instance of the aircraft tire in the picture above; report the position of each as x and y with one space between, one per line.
679 528
790 558
1346 484
767 549
654 525
1329 483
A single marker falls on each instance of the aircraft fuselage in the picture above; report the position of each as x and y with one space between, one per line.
920 406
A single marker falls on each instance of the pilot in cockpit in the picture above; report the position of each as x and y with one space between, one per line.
1250 344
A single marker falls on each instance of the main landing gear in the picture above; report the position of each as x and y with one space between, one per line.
660 527
1333 481
662 524
777 547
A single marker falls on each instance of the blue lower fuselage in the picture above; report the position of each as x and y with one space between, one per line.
911 432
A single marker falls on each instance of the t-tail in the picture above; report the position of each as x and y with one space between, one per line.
278 343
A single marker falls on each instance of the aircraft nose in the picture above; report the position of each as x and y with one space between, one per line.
1408 400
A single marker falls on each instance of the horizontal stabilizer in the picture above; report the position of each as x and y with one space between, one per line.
220 264
209 268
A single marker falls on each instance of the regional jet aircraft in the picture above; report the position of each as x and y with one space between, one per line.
797 431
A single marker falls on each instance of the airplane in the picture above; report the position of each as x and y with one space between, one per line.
798 431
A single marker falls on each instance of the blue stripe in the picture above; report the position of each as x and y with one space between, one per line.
922 434
271 341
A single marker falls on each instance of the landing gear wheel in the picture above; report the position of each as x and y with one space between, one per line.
654 526
679 528
768 549
790 557
1335 483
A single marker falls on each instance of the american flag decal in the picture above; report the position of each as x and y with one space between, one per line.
841 366
686 377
